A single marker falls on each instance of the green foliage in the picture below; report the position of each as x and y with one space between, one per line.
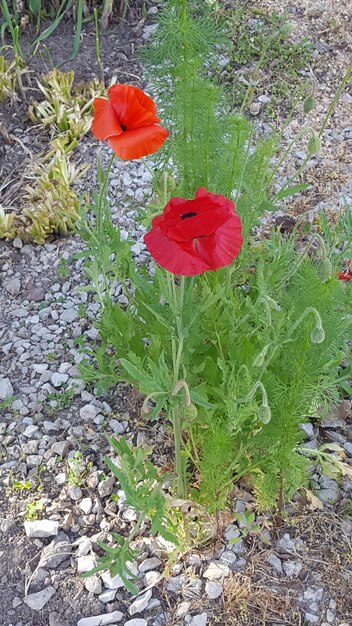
236 359
142 486
265 40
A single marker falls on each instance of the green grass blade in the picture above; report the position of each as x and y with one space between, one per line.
77 37
60 14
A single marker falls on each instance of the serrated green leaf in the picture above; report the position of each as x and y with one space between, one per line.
290 191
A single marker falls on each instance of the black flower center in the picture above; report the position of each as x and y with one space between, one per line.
123 127
187 216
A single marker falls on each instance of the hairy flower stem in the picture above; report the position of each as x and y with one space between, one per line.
99 221
176 300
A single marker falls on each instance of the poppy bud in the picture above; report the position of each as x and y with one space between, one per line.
314 145
189 412
317 335
309 104
259 359
264 413
325 270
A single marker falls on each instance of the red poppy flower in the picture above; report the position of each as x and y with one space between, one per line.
129 122
347 274
194 236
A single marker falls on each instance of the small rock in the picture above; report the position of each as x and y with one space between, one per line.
112 583
93 585
58 379
60 448
36 294
140 604
182 609
69 315
254 108
199 620
308 429
101 620
231 532
136 622
292 569
6 389
86 505
41 528
152 578
106 487
107 596
88 412
275 562
13 287
36 601
117 427
85 563
216 570
149 564
311 619
7 525
314 595
56 552
74 492
213 589
16 602
328 496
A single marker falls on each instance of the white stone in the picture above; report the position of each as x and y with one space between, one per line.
6 389
58 379
36 601
88 412
292 569
213 589
107 596
182 609
112 583
101 620
216 570
41 528
152 578
85 563
199 620
86 505
149 564
140 604
136 622
93 584
69 315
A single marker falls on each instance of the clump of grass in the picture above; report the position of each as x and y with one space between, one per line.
264 41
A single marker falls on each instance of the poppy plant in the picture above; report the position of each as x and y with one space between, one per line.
347 274
191 237
128 121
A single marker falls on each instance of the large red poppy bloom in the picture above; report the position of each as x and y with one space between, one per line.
347 274
194 236
129 122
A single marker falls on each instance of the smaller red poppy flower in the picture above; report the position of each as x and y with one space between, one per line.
346 274
194 236
128 120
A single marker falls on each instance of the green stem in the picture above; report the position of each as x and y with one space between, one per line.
176 418
335 99
99 221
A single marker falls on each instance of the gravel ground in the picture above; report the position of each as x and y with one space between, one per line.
52 440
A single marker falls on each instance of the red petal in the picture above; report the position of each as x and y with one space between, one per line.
132 106
221 248
172 256
210 211
134 144
105 123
